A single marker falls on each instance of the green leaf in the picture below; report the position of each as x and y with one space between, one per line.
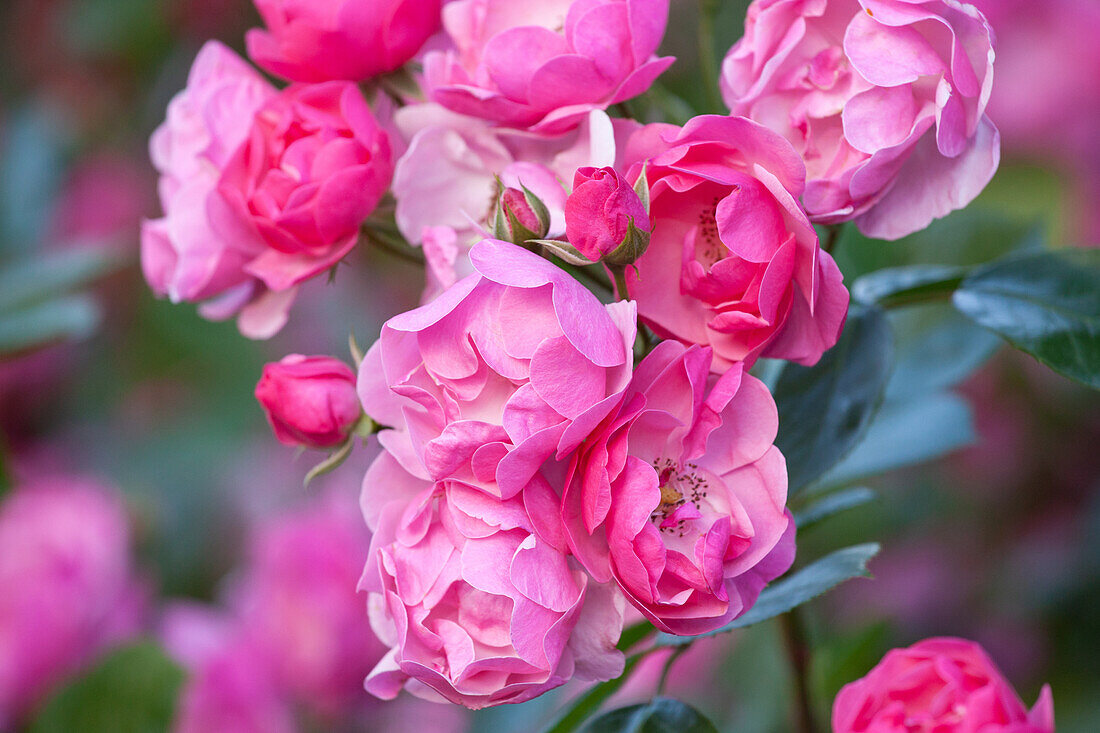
588 703
824 410
935 348
563 251
633 634
833 504
794 590
133 690
641 187
41 278
1044 303
663 715
41 325
896 286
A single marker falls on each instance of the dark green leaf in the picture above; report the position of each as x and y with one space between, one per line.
794 590
133 690
832 504
1044 303
74 317
633 634
825 409
663 715
896 286
935 348
41 278
588 703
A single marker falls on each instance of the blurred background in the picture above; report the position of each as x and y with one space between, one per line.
985 465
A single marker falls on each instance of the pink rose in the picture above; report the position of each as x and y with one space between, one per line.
309 400
352 40
681 496
479 603
884 99
544 65
944 685
67 587
261 190
600 211
733 262
510 366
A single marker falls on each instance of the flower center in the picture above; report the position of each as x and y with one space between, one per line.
708 245
682 494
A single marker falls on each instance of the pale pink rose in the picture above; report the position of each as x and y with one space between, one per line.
680 496
477 598
543 65
733 262
296 596
67 586
944 685
231 685
512 365
600 210
446 181
884 99
328 40
262 190
309 400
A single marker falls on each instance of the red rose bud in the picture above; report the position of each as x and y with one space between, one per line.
309 400
520 216
605 218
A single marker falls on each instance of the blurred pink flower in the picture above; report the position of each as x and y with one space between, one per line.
103 199
309 400
600 210
510 366
67 587
681 496
733 262
944 685
544 65
884 99
327 40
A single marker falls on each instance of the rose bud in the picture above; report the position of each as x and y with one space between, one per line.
309 400
520 216
605 218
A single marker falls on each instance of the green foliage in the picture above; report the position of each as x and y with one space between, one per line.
835 503
894 286
587 704
662 715
133 690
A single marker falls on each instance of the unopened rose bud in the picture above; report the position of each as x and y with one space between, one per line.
605 219
520 216
309 400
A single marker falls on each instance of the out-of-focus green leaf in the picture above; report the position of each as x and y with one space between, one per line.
40 325
935 348
1044 303
794 590
588 703
894 286
663 715
834 503
133 690
36 279
824 410
31 164
633 634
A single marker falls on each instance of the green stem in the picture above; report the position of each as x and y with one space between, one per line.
708 56
393 245
619 275
6 481
798 652
832 236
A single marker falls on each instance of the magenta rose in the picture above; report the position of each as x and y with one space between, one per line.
309 400
513 364
884 99
600 210
944 685
478 601
680 496
544 64
67 587
329 40
733 262
262 190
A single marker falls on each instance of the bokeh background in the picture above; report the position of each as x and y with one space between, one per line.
997 539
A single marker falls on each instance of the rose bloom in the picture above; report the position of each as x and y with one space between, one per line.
680 497
543 66
510 366
940 685
733 262
327 40
261 190
309 400
476 596
67 587
600 210
884 99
